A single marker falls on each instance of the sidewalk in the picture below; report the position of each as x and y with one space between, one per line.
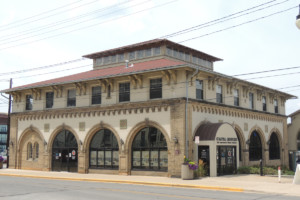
236 183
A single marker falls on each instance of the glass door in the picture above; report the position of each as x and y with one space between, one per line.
226 160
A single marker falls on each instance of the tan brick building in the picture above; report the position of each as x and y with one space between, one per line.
140 110
294 139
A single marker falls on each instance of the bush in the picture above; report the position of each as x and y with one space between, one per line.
267 170
243 170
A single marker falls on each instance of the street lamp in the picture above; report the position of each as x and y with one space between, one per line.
298 19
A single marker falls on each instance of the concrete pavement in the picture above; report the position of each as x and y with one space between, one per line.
236 183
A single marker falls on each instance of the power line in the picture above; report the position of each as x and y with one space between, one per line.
231 27
18 25
23 34
223 19
53 72
272 76
89 26
43 67
266 71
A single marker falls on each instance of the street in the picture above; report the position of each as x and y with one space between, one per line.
31 188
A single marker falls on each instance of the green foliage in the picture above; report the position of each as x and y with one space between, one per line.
202 170
267 170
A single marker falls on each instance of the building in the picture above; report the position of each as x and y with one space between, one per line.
294 139
141 110
3 133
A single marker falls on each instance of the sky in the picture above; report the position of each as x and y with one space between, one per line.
250 36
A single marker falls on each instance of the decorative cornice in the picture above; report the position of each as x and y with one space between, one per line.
232 112
121 109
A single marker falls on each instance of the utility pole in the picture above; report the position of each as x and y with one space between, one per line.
8 124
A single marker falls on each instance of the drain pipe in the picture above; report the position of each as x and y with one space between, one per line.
186 111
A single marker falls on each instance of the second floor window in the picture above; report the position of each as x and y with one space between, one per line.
219 94
96 95
199 89
236 98
251 100
29 101
49 99
155 88
264 103
71 101
124 92
275 105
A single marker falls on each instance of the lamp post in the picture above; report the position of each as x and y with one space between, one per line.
298 19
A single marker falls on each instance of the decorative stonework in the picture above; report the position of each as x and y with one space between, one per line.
235 112
46 128
81 126
123 124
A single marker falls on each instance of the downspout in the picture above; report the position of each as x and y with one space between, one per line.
186 111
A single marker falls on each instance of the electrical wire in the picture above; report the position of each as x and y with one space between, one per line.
238 25
223 19
5 28
67 26
32 30
88 26
43 67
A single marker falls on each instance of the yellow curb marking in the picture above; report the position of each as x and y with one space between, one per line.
132 182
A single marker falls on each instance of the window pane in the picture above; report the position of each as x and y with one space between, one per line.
157 51
255 148
199 89
100 158
71 98
154 159
136 159
274 148
108 155
115 158
29 102
105 142
124 92
155 88
96 95
49 99
145 159
151 145
163 162
251 102
93 155
120 57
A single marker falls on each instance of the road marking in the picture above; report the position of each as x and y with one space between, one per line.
156 194
132 182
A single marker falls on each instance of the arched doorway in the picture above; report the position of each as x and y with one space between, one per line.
149 150
65 152
255 147
104 150
274 147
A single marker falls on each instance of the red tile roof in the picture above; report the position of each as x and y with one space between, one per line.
152 65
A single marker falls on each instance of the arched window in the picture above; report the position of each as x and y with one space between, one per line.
149 150
298 142
255 148
274 147
29 150
104 150
36 148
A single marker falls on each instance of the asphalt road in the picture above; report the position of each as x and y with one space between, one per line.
43 189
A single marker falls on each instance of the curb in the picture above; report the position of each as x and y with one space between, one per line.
229 189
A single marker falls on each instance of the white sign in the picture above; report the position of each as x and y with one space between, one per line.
197 139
